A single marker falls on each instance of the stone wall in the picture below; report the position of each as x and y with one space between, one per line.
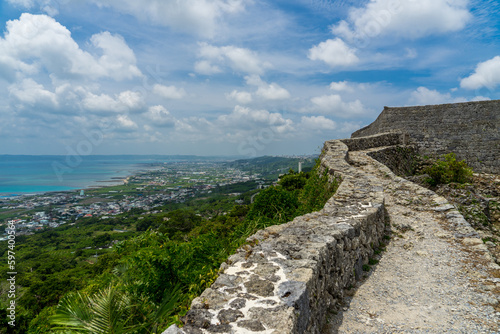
288 276
471 130
377 140
402 160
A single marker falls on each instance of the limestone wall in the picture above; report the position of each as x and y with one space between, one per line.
289 275
399 159
376 140
471 130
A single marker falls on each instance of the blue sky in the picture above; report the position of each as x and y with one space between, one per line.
230 77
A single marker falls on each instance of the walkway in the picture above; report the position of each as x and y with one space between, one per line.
435 276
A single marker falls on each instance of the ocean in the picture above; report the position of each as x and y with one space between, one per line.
23 174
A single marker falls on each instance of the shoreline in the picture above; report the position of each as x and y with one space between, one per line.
111 182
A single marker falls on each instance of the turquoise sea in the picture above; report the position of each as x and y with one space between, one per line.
23 174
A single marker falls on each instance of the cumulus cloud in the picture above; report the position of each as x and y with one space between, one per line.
273 91
243 117
34 42
74 100
118 60
267 91
169 92
240 97
30 93
487 74
206 68
425 96
334 52
126 101
160 116
334 105
313 123
237 126
238 59
124 123
405 19
341 86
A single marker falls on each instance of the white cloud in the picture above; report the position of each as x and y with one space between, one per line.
125 123
243 117
334 52
487 74
160 116
266 91
341 86
425 96
33 94
273 91
241 125
101 103
68 99
126 101
240 97
405 18
317 123
334 105
118 60
193 16
169 92
133 101
206 68
238 59
38 41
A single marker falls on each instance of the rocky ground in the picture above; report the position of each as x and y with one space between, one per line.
479 203
436 274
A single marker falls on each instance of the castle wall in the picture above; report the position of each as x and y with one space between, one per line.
471 130
288 276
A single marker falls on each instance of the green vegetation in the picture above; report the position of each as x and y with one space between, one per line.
272 167
448 170
138 272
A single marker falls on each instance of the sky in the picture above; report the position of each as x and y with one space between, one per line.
230 77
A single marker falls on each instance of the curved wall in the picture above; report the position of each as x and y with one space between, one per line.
289 275
471 130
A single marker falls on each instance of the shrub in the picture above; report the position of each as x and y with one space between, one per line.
317 191
292 181
448 170
274 203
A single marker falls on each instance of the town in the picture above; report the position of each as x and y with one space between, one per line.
173 182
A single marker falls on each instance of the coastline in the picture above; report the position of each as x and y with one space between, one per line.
85 185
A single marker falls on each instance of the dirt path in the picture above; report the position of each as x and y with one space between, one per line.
435 276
